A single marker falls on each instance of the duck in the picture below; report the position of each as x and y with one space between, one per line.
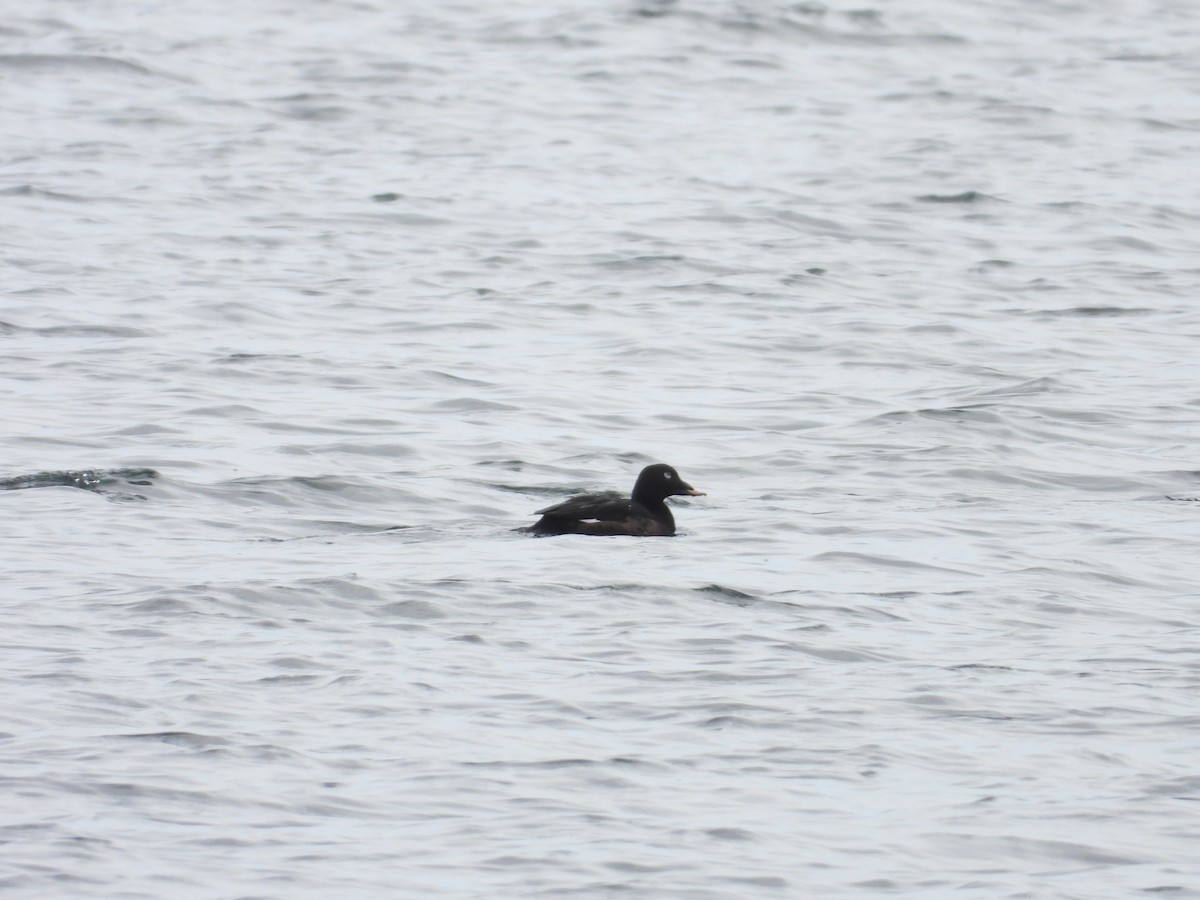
644 514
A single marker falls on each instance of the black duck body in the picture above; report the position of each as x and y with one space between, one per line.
644 514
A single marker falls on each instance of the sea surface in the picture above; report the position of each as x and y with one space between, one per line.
307 305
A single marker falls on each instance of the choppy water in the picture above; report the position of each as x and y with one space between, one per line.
307 306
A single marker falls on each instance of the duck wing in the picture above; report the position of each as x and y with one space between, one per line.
604 507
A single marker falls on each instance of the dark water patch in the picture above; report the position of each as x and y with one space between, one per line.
82 64
663 265
730 834
143 429
1133 56
410 609
964 197
641 263
88 331
287 679
840 655
720 723
179 739
98 480
1110 244
1169 889
58 678
450 377
161 606
727 594
979 666
1156 124
52 331
990 265
808 223
575 762
978 413
1186 787
327 113
1028 387
1095 312
364 448
293 662
859 27
473 404
321 590
145 634
998 848
412 220
255 357
653 9
508 465
616 588
28 190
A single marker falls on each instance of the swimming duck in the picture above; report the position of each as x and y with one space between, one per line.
644 514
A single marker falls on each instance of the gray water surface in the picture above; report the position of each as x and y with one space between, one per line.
308 305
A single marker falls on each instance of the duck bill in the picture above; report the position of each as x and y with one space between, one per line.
692 492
